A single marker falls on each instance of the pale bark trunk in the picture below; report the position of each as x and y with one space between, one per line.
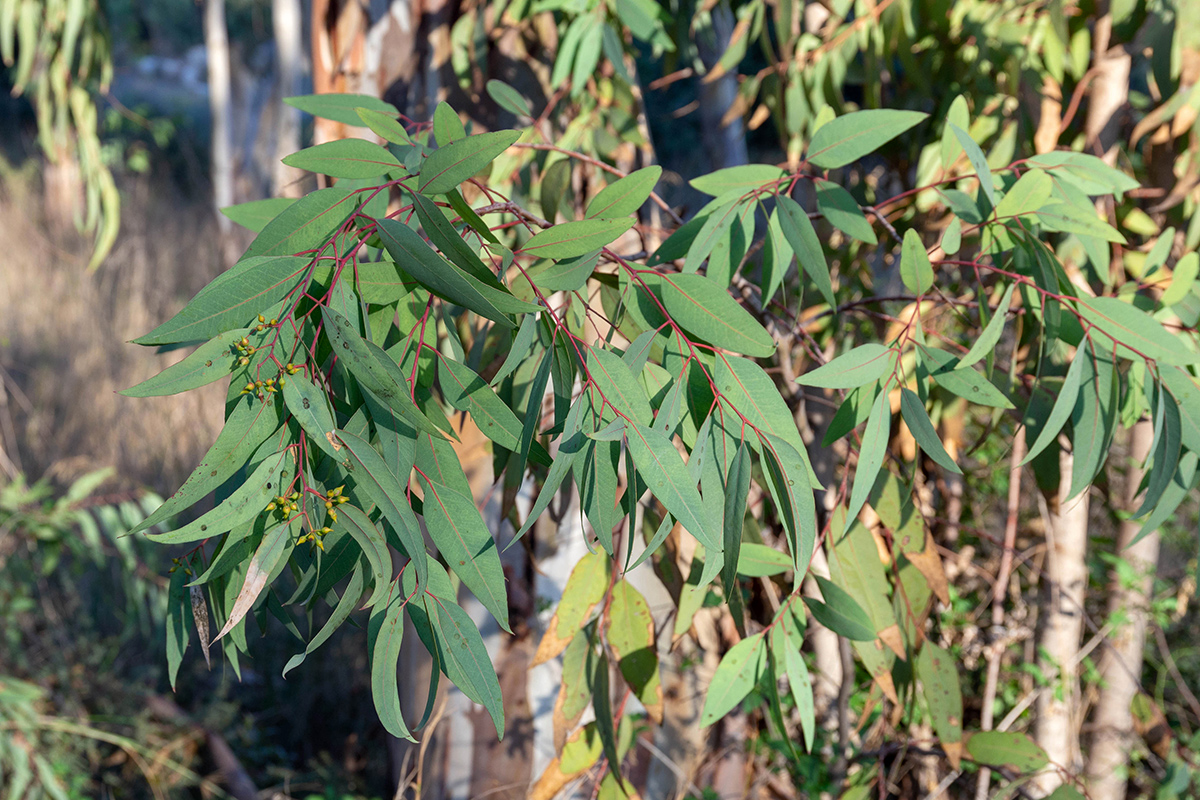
1121 661
216 44
289 57
1057 727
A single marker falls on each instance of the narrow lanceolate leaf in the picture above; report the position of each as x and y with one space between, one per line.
249 425
177 627
466 391
921 427
509 98
614 380
1067 218
443 234
737 489
374 369
631 637
625 196
345 158
448 166
230 301
939 679
571 239
341 612
306 224
385 632
1093 419
246 502
660 463
463 539
744 178
385 126
568 274
1063 406
760 561
373 544
1135 333
802 691
964 382
736 675
211 361
445 280
858 367
800 234
841 613
387 490
602 706
274 542
792 492
461 648
519 349
841 210
852 136
341 108
1167 448
1184 388
1007 749
978 162
256 214
200 617
310 407
705 309
585 588
915 269
870 456
986 343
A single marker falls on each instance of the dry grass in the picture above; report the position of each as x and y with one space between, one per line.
64 334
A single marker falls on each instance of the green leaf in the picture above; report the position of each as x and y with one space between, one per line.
1183 278
705 309
987 340
270 479
1064 404
598 481
385 126
463 539
736 675
662 467
915 269
250 423
256 214
800 234
1135 333
448 166
585 588
840 612
466 391
1093 418
791 489
575 695
744 178
759 561
1009 750
509 98
443 234
841 210
964 382
921 427
978 162
307 224
341 612
571 443
385 632
1066 218
802 692
852 136
870 456
461 649
614 380
178 631
737 489
625 196
749 389
1026 196
555 181
631 637
952 237
374 369
373 545
602 706
1184 389
310 407
938 672
447 127
567 274
266 558
446 280
1166 451
377 482
232 300
211 361
341 108
858 367
345 158
958 115
519 350
571 239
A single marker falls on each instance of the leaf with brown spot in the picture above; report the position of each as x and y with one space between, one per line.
631 637
585 588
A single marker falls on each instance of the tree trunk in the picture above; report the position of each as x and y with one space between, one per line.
724 140
1121 661
216 44
289 61
1065 582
